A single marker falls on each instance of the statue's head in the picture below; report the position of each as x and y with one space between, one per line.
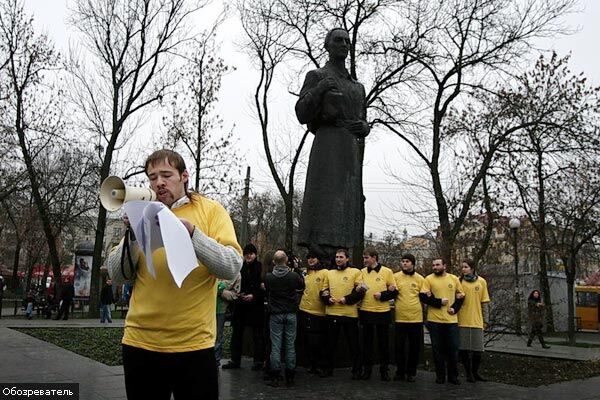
337 43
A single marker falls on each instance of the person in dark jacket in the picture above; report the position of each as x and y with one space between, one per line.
282 285
66 299
106 299
248 310
536 308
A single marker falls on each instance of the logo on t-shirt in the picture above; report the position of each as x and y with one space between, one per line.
345 279
477 288
413 285
318 280
450 285
378 279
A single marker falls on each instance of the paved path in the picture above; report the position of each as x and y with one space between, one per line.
26 359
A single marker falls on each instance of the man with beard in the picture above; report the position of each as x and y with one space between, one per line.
443 294
249 309
409 320
341 290
312 313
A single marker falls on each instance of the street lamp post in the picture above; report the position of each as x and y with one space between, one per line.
514 225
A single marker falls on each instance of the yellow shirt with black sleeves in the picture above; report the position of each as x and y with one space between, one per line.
165 318
470 314
311 299
408 306
377 280
445 286
340 283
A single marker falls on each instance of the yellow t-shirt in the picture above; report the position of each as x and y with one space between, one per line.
376 282
340 284
445 286
408 306
168 319
311 300
470 314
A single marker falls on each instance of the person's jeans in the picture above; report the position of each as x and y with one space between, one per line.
105 313
444 345
283 330
219 341
29 310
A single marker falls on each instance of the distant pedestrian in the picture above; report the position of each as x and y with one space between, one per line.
29 301
66 299
536 308
106 300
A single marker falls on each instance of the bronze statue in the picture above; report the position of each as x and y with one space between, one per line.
332 104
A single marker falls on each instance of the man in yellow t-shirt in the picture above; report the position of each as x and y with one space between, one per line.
374 312
312 313
472 320
409 320
341 290
443 294
168 345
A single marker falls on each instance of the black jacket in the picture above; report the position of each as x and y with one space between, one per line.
281 291
250 283
106 295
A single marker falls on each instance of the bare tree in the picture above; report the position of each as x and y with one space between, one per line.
193 124
126 69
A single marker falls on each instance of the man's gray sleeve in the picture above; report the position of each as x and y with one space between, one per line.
114 263
222 261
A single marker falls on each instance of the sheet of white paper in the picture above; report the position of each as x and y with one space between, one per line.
155 226
178 245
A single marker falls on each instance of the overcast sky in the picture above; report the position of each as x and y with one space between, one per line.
381 150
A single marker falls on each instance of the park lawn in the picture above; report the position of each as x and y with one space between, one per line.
104 345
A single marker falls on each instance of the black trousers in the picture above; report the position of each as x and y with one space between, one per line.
383 336
255 317
63 311
187 375
313 329
350 326
444 345
409 338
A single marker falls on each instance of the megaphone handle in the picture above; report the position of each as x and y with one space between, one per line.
127 250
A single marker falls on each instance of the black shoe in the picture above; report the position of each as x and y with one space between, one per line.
399 377
355 376
410 378
366 375
289 377
479 377
385 377
470 378
231 365
326 373
545 346
529 343
257 367
313 371
454 381
440 380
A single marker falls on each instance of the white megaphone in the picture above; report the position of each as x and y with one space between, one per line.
114 192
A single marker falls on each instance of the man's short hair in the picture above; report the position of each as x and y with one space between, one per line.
280 258
175 160
410 257
370 251
328 36
343 251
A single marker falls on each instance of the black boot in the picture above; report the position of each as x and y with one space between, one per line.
275 380
383 372
544 345
529 341
476 364
366 374
289 377
466 361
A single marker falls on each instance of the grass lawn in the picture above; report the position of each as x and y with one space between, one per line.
104 345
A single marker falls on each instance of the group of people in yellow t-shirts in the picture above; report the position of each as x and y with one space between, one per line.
359 302
344 298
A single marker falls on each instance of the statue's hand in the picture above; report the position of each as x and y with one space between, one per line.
326 84
358 128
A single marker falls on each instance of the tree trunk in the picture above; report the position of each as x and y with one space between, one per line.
15 272
570 273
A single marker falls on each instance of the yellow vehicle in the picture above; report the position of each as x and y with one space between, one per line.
586 307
